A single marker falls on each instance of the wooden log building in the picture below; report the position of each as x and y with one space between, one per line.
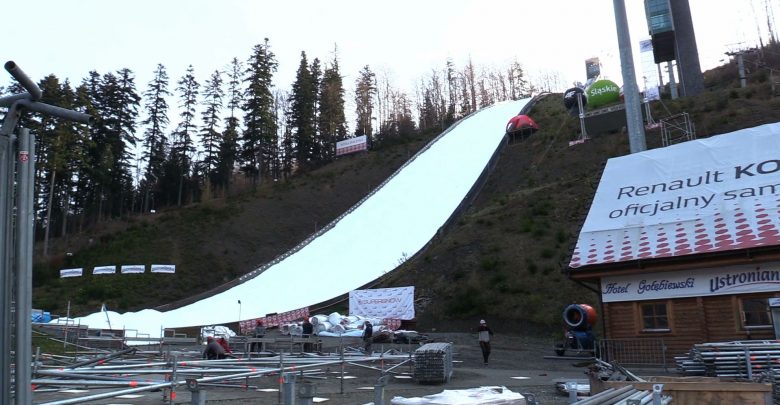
683 242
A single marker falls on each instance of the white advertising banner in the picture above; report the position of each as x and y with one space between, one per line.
71 272
164 268
709 195
385 303
649 70
351 145
740 279
133 268
104 270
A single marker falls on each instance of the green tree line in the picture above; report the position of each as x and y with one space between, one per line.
235 127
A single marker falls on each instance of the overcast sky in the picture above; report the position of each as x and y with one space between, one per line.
405 38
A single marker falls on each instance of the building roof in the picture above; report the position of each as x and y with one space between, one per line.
716 194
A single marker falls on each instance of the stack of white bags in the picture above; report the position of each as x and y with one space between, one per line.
335 324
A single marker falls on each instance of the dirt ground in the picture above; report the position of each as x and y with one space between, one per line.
517 363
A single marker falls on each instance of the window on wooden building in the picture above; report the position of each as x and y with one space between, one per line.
655 317
755 313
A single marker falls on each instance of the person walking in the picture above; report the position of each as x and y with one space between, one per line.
485 334
368 336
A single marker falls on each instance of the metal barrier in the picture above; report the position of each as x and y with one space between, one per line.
633 352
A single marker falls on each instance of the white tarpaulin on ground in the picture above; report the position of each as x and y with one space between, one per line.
716 194
469 396
393 303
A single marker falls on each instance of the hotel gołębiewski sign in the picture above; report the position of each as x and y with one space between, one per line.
710 195
739 279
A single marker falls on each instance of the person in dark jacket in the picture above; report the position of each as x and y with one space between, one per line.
213 350
307 330
368 336
485 334
259 332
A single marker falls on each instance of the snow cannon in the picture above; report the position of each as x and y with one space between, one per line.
521 124
578 338
579 316
570 100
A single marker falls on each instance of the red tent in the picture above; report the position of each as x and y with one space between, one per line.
521 124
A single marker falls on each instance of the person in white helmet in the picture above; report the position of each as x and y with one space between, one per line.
485 334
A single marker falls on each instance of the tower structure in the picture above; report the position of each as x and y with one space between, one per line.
673 38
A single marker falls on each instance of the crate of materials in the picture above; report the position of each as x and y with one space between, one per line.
433 363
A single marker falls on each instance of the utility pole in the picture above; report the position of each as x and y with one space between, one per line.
17 177
634 124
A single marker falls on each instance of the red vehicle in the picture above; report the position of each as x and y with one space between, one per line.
521 126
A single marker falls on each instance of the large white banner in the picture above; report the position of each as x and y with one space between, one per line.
104 270
351 145
392 303
740 279
649 70
133 268
164 268
716 194
71 272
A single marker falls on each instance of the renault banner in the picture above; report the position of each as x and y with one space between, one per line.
709 195
392 303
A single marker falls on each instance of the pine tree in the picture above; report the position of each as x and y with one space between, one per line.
332 123
365 89
302 117
211 138
228 148
452 93
259 136
155 140
183 146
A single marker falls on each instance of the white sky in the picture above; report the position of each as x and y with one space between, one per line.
405 38
391 225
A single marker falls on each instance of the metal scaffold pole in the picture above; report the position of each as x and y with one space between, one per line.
17 162
636 128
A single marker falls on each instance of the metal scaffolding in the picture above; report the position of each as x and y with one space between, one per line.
17 177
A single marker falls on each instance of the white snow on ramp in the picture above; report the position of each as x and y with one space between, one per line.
396 222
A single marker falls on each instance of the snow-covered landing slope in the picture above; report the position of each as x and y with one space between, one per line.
394 223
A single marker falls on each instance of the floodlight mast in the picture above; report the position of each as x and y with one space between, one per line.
17 167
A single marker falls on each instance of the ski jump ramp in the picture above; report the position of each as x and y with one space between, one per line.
394 223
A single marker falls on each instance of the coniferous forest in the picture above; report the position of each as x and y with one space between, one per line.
234 127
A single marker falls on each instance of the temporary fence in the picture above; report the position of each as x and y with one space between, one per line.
133 371
633 352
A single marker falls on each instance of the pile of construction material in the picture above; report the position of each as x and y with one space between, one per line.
737 359
337 325
433 363
622 395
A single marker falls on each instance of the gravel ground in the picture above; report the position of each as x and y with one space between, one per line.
512 356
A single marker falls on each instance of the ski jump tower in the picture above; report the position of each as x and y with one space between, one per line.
671 29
